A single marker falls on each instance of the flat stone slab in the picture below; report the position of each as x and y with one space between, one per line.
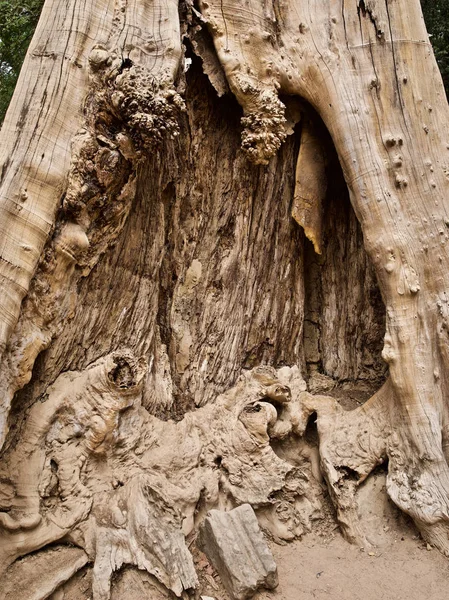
234 544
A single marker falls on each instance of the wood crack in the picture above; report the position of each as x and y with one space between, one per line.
364 10
395 67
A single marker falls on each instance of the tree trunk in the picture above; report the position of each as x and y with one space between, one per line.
189 325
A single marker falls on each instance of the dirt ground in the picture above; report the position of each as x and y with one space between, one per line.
404 570
323 566
316 569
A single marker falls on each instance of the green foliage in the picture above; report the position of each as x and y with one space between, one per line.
18 19
436 15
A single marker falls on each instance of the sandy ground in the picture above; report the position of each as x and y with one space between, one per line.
314 569
323 566
318 569
405 570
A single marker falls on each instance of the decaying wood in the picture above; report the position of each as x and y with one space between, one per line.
311 185
54 566
158 477
131 102
384 121
182 311
233 539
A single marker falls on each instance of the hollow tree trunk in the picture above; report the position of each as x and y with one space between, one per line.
168 280
367 70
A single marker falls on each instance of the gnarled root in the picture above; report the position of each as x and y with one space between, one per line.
353 443
137 525
77 420
93 463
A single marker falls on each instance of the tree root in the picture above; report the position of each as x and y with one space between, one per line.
93 466
93 463
353 443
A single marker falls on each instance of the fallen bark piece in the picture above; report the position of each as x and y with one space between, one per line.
54 567
234 544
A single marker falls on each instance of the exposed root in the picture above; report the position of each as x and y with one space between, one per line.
92 462
353 443
78 419
436 534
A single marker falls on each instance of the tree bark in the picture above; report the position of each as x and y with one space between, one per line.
188 325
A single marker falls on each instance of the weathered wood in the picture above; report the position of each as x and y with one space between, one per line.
173 273
385 120
206 277
36 137
52 567
234 544
123 102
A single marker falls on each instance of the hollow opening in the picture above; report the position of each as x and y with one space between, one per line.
261 295
127 63
122 374
344 315
311 432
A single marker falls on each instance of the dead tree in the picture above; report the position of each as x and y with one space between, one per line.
164 323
